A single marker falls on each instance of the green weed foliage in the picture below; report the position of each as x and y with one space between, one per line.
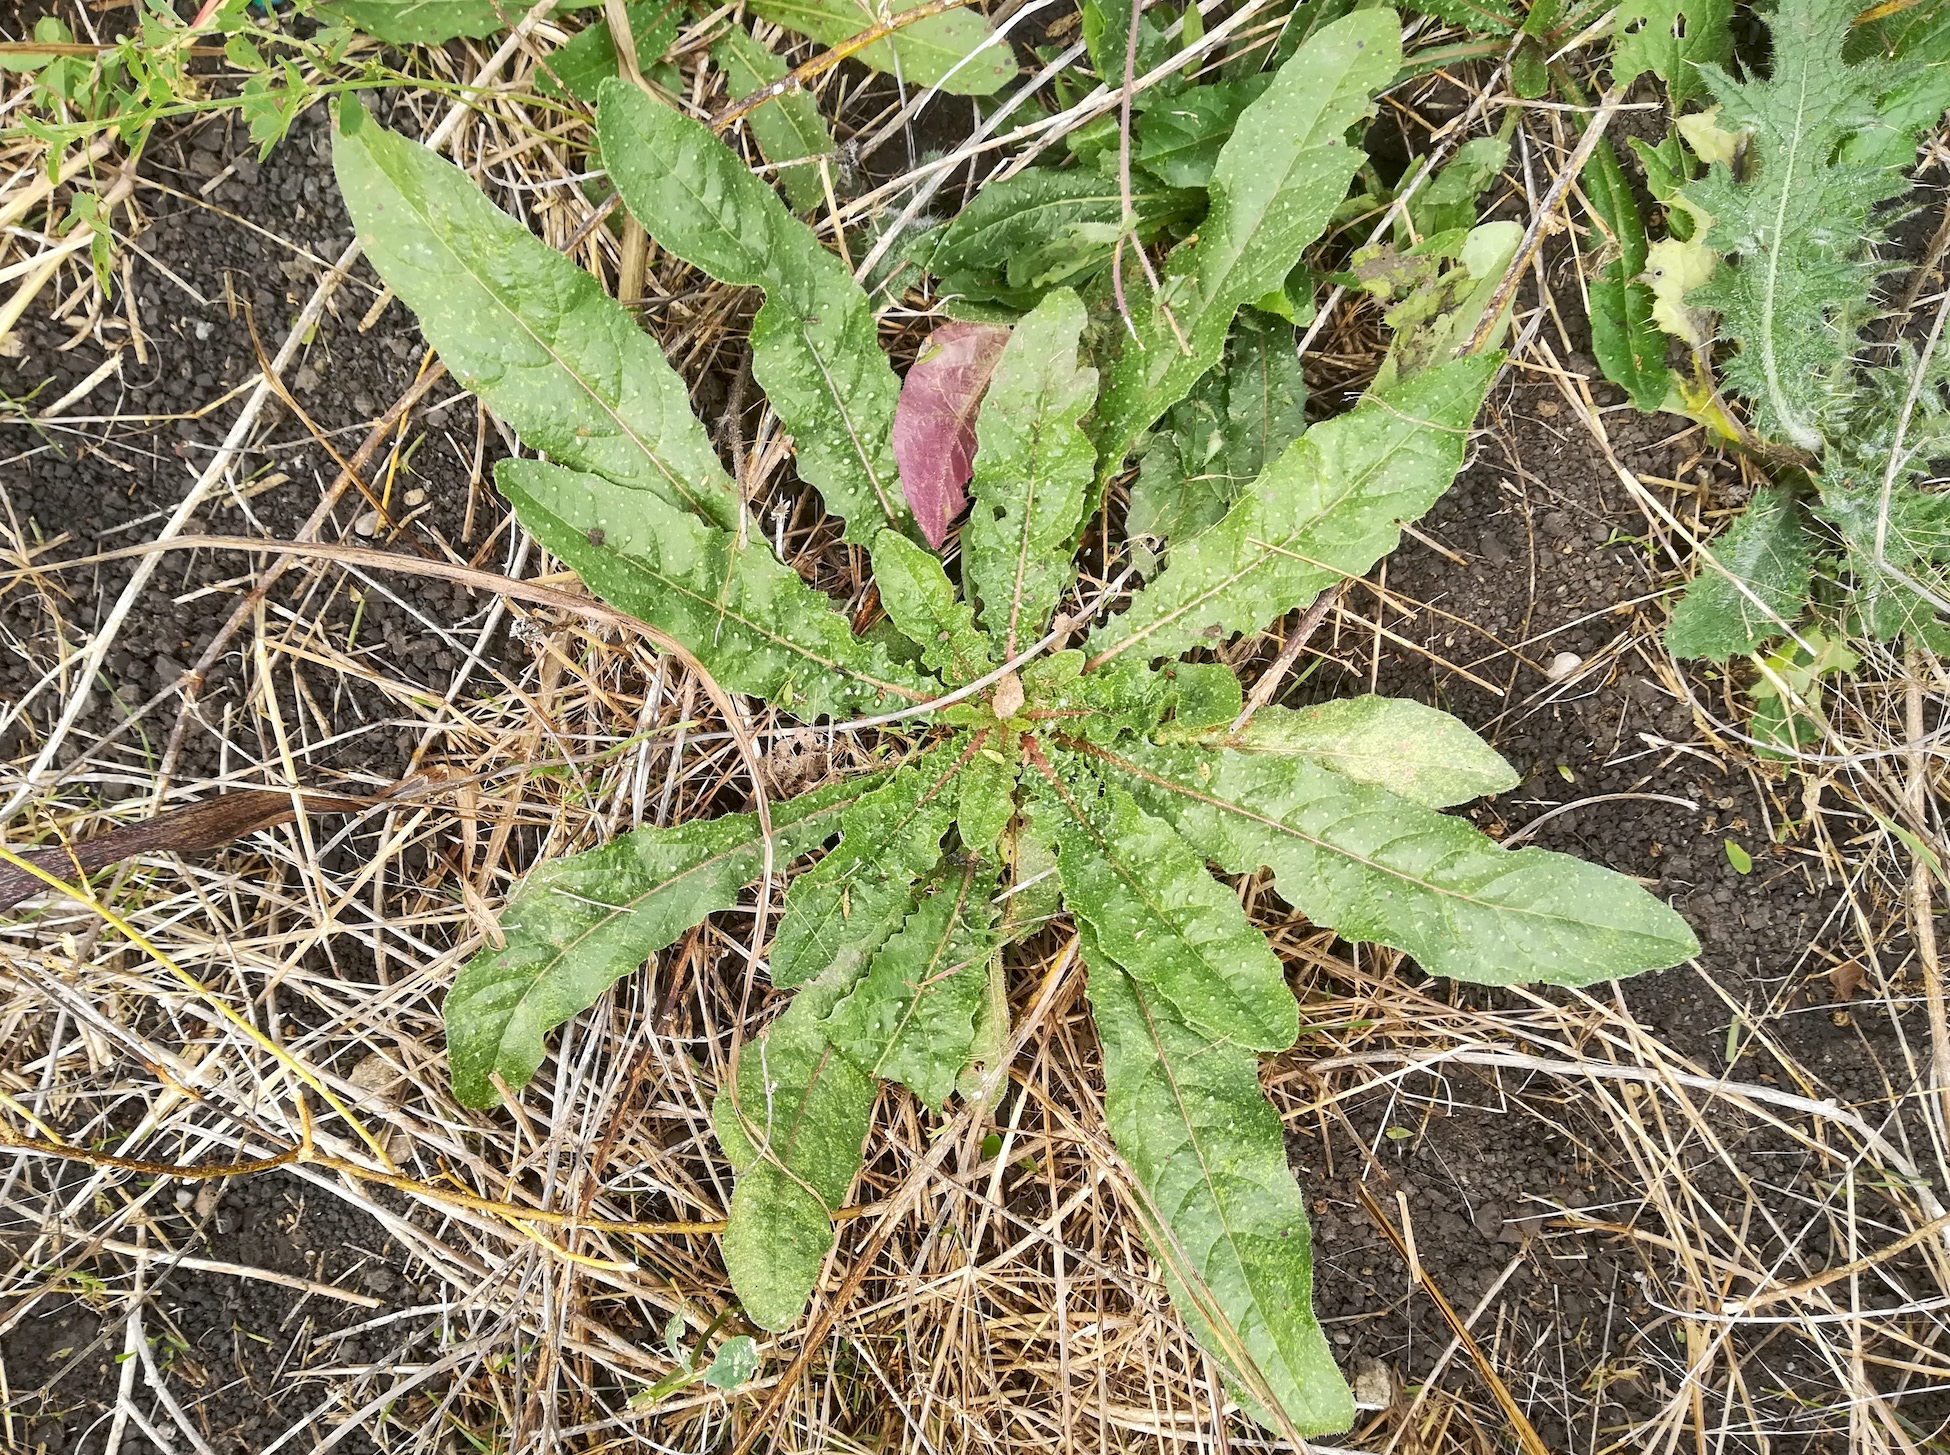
1091 762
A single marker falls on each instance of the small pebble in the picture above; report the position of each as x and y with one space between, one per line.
1563 665
416 497
367 524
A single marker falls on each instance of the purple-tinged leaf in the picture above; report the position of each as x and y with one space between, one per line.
934 423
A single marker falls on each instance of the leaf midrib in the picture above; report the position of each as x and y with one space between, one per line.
1256 562
724 613
1137 770
415 201
1137 887
629 906
1244 1264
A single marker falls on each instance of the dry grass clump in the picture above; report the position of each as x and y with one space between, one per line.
278 1004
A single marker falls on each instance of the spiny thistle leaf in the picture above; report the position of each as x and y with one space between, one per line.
1376 867
1221 1208
1324 512
1032 471
1767 550
1672 39
1277 181
579 924
815 349
1794 289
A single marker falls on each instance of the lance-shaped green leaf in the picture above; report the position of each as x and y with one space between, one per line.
1765 550
1276 183
789 130
1219 1204
792 1128
1178 134
1236 420
1629 344
526 329
1322 513
1361 861
1416 752
579 924
839 911
805 1089
954 51
991 1036
911 1018
431 22
815 348
1153 906
581 66
747 615
1032 470
987 793
923 603
1022 235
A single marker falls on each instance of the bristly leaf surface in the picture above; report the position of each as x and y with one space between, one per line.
1766 550
1032 472
1795 288
581 923
1220 1205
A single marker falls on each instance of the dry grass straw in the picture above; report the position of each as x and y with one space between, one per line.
262 1005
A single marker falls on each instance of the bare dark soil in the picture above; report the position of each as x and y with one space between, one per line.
211 266
1540 548
1540 551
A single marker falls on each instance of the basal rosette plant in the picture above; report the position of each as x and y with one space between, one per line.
1101 780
